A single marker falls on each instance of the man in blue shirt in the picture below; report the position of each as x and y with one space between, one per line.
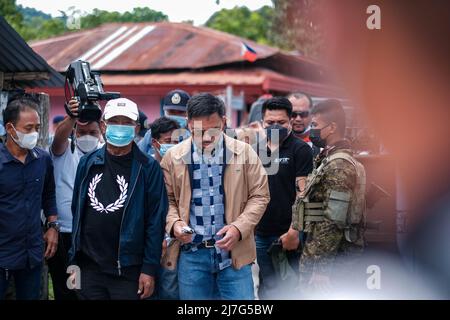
26 186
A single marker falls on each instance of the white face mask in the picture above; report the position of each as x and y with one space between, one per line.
26 140
87 143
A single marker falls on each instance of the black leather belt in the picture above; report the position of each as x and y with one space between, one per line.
207 244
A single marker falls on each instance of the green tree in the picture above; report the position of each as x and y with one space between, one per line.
243 22
40 28
11 13
98 17
30 23
33 24
291 25
30 13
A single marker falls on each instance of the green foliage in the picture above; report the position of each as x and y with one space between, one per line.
288 24
49 28
33 24
98 17
10 12
30 23
241 21
30 13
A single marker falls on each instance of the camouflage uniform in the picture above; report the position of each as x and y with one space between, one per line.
327 238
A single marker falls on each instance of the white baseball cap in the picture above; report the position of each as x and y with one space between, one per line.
121 107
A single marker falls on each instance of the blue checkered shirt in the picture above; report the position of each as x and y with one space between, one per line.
207 211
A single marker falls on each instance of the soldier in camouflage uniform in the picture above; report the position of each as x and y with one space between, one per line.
331 208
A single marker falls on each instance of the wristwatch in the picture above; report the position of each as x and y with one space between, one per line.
54 224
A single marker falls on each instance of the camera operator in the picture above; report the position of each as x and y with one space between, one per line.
72 140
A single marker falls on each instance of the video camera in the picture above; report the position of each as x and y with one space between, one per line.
87 87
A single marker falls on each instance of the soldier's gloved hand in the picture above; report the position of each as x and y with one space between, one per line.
290 240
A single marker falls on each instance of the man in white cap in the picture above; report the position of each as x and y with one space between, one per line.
119 209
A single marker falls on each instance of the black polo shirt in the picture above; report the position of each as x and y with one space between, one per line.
294 159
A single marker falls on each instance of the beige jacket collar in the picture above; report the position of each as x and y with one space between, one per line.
182 151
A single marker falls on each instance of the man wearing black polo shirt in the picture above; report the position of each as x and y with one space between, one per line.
288 162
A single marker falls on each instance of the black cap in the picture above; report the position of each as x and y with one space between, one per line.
176 100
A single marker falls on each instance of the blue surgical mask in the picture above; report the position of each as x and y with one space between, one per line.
163 147
181 120
119 135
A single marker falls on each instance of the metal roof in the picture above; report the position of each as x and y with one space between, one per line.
178 53
268 80
17 56
147 46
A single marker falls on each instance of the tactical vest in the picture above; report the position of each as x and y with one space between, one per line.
305 211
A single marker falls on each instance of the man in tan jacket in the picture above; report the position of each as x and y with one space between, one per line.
218 192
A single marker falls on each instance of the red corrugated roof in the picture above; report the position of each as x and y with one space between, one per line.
222 77
146 46
268 80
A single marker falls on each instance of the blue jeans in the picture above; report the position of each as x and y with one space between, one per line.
199 278
27 282
270 286
168 284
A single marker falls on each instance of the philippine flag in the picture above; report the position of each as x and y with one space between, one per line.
248 53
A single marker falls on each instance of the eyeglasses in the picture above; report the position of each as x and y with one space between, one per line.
211 132
302 114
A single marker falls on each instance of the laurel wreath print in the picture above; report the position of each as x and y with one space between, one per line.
97 205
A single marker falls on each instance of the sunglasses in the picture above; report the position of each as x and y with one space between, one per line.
302 114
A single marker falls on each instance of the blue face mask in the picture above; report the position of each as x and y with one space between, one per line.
119 135
163 147
181 120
